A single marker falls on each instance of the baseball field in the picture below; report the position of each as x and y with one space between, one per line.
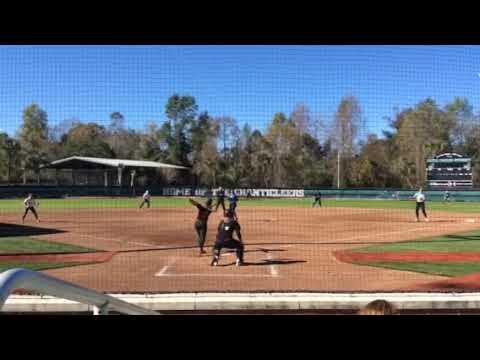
346 245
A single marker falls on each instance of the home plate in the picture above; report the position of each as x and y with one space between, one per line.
470 220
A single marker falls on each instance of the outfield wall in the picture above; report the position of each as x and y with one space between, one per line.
52 191
393 194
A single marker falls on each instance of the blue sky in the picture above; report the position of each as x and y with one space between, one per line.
249 83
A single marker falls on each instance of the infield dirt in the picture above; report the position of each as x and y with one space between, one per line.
288 249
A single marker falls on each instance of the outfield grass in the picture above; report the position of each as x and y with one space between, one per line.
90 203
459 207
25 244
38 266
442 269
11 205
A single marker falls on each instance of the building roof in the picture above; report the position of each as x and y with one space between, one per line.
77 161
449 156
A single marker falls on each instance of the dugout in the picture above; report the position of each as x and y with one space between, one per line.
111 173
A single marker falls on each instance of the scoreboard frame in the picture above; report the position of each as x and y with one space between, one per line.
440 175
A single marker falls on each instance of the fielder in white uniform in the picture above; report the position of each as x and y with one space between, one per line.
446 196
30 205
420 200
146 199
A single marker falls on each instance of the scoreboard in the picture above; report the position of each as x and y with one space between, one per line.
449 170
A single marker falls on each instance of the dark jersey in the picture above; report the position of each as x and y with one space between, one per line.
220 199
226 229
233 199
318 196
203 213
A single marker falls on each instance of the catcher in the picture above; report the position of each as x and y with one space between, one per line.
225 239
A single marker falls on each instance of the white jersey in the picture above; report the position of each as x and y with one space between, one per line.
29 203
146 196
419 197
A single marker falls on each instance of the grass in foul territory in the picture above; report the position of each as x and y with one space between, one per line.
442 269
16 205
38 266
25 244
465 242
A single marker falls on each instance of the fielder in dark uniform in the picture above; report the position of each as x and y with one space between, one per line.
225 239
204 212
30 205
220 199
318 200
233 200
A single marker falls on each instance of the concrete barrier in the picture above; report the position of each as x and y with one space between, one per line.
204 302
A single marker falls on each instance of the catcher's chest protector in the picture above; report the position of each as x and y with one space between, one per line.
226 232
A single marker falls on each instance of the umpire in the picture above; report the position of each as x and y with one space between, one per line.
225 239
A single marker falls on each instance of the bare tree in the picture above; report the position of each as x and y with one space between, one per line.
318 128
460 113
301 118
346 125
228 132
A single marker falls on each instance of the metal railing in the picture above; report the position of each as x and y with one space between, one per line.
15 279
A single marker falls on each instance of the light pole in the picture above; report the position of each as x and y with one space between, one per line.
338 169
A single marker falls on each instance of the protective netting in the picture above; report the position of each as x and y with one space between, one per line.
324 146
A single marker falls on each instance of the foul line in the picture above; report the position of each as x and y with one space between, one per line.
115 240
380 234
163 271
212 275
273 269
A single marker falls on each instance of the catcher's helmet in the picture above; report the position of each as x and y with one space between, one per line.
229 214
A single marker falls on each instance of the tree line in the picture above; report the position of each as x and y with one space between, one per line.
295 150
